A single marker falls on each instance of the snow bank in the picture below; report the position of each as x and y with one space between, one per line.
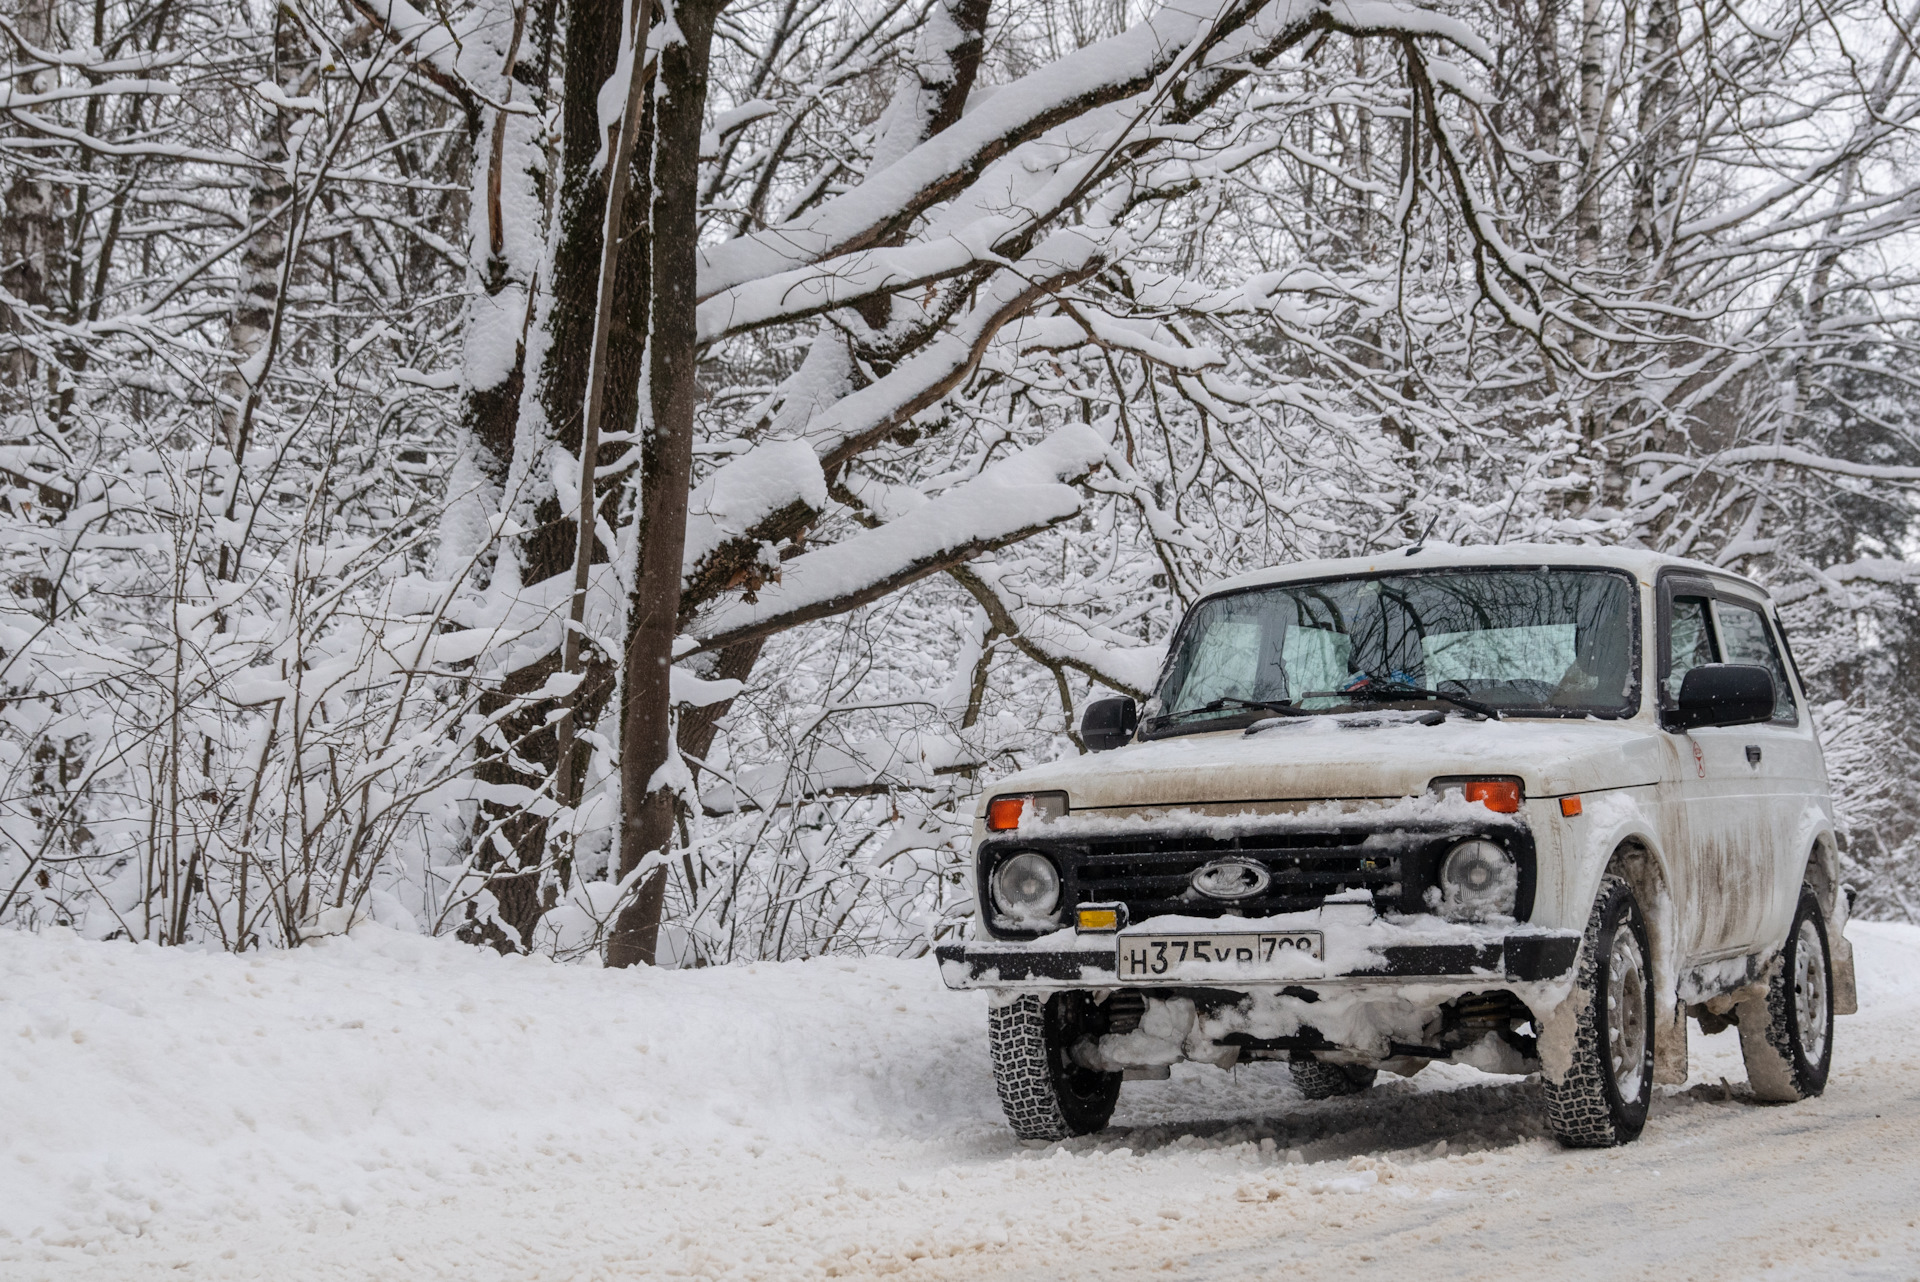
173 1092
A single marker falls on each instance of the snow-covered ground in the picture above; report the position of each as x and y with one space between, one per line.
386 1106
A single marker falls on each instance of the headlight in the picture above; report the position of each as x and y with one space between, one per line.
1478 880
1027 887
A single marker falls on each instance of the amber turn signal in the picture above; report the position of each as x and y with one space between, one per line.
1502 796
1569 806
1003 813
1099 919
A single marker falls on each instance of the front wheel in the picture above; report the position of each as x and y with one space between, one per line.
1604 1096
1045 1092
1786 1037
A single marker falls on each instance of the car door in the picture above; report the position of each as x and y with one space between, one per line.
1726 869
1789 763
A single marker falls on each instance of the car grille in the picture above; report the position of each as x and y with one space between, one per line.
1151 875
1151 872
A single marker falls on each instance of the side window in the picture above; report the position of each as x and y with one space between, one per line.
1689 641
1744 636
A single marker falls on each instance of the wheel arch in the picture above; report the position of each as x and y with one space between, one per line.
1637 861
1631 849
1822 870
1822 877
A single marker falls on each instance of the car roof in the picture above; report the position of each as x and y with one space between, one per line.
1639 562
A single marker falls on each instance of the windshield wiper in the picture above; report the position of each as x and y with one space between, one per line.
1279 707
1386 690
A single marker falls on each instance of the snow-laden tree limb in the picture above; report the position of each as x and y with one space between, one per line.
1010 500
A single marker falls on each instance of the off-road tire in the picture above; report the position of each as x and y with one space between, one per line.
1786 1037
1045 1093
1590 1108
1324 1081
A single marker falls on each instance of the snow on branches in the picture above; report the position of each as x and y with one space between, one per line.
948 351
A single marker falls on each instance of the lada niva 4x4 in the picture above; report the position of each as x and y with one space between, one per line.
1526 808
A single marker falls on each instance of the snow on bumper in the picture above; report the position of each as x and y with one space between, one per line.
1356 949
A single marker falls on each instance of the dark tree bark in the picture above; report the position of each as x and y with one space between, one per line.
492 413
647 801
515 883
593 52
594 33
32 240
269 202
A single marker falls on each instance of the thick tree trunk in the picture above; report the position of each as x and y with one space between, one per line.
647 796
1653 192
594 30
509 189
593 41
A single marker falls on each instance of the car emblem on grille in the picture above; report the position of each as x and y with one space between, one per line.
1230 879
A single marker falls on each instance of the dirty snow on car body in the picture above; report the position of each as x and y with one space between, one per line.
386 1106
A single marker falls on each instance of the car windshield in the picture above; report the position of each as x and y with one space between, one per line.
1542 642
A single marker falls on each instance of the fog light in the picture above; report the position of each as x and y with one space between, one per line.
1027 887
1478 880
1101 918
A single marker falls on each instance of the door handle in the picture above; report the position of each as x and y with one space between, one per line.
1753 754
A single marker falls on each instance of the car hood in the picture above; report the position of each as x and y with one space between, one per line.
1354 756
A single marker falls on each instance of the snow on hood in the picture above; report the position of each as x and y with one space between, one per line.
1353 755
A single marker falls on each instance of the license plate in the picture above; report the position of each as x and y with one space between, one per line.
1212 956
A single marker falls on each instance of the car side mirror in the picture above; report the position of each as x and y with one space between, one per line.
1723 694
1109 723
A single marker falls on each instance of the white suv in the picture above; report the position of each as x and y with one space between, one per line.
1522 807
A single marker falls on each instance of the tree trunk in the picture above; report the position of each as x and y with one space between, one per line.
1653 186
32 240
506 184
647 795
555 416
1593 101
262 261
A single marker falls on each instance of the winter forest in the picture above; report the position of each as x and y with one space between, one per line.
615 478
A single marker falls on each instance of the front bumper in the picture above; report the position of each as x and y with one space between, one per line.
1090 961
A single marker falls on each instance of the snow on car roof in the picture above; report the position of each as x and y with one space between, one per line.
1640 562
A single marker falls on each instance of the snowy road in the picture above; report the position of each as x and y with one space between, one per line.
391 1107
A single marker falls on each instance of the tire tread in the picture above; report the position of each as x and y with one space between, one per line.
1326 1081
1777 1071
1035 1099
1580 1109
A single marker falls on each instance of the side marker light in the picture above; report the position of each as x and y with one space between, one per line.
1569 806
